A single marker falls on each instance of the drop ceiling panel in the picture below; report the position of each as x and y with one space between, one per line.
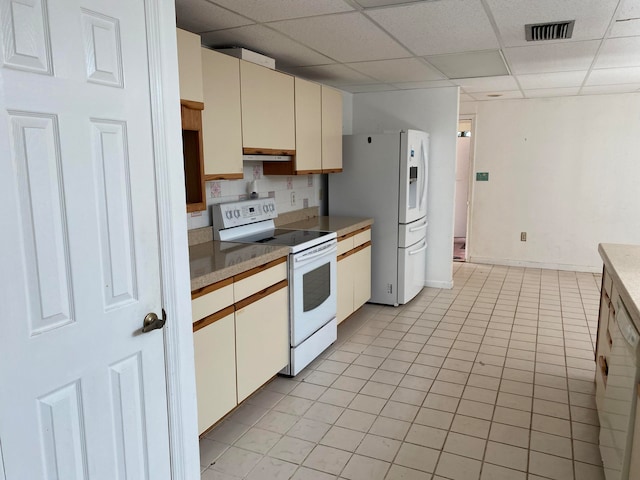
416 85
603 89
346 37
619 52
379 3
201 16
399 70
367 88
466 98
552 92
271 10
592 17
446 26
487 84
554 57
628 20
552 80
264 40
611 76
503 95
335 74
487 63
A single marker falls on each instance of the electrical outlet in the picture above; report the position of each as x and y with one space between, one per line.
293 198
523 236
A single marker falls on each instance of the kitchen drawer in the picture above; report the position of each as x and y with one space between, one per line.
361 237
211 299
344 245
259 278
412 233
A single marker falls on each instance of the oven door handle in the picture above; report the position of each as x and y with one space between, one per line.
311 256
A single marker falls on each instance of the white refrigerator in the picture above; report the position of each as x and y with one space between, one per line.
384 176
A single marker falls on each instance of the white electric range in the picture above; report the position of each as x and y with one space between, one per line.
312 273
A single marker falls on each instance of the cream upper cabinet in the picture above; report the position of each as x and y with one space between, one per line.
308 104
268 113
331 130
189 66
221 117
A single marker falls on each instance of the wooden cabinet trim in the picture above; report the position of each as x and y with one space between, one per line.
258 269
266 151
331 170
191 104
211 288
354 233
261 294
223 176
355 250
308 172
206 321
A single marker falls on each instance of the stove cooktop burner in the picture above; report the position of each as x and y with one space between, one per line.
284 237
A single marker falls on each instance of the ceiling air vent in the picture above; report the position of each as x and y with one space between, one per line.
549 31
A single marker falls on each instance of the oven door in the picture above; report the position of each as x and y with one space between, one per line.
313 290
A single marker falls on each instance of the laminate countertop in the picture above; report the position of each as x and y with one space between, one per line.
212 261
340 225
623 264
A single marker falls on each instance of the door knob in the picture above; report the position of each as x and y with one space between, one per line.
152 322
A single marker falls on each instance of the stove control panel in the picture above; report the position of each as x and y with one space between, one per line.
243 212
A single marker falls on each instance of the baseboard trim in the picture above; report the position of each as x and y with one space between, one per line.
546 266
439 284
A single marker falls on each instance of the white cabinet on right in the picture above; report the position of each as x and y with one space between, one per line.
354 272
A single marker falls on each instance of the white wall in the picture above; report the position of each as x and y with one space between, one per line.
565 170
434 111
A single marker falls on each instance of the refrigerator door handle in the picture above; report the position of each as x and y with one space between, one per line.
423 175
422 249
415 229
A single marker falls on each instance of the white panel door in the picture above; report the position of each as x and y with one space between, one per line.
83 391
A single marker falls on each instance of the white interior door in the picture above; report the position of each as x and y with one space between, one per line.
83 391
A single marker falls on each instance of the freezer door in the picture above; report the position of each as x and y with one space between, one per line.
414 165
412 233
411 270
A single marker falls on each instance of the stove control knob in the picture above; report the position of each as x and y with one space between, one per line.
236 213
271 207
265 207
229 214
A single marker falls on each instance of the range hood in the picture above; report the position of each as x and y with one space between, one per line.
259 157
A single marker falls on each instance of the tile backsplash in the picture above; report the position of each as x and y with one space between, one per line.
291 192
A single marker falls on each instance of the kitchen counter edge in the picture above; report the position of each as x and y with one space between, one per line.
623 264
222 273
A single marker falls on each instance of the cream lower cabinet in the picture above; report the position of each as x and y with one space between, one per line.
354 272
345 275
262 341
215 360
241 338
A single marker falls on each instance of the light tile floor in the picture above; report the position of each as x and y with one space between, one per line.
490 380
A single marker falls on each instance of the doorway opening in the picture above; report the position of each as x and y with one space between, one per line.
463 183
